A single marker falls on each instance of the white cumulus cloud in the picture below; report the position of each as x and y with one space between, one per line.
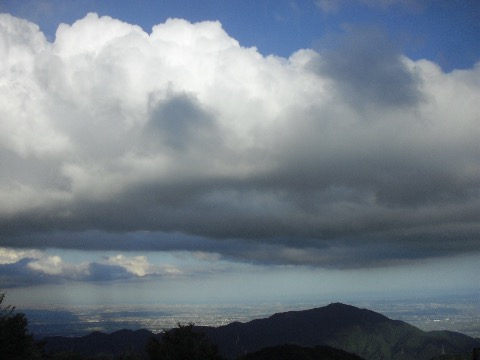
183 130
11 256
54 265
140 266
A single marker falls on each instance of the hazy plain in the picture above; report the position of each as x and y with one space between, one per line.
456 313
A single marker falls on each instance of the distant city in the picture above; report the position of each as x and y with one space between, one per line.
458 314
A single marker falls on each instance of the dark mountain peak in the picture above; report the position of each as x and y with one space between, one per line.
368 334
339 305
96 334
128 332
318 326
333 314
363 314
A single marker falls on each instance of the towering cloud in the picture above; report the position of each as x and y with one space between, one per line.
352 155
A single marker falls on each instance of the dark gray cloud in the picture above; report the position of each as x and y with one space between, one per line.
179 123
18 275
101 272
367 69
354 156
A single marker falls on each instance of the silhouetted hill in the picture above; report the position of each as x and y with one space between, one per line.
363 332
289 352
359 331
119 342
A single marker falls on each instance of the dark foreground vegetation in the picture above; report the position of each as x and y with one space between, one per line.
333 332
288 352
15 340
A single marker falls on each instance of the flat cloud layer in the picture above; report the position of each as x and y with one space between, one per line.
184 139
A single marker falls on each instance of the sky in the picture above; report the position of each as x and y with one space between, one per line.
238 151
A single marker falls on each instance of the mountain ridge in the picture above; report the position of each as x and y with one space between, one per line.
363 332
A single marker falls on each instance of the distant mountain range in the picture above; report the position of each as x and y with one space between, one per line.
362 332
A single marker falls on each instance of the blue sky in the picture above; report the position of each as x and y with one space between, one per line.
222 151
442 31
